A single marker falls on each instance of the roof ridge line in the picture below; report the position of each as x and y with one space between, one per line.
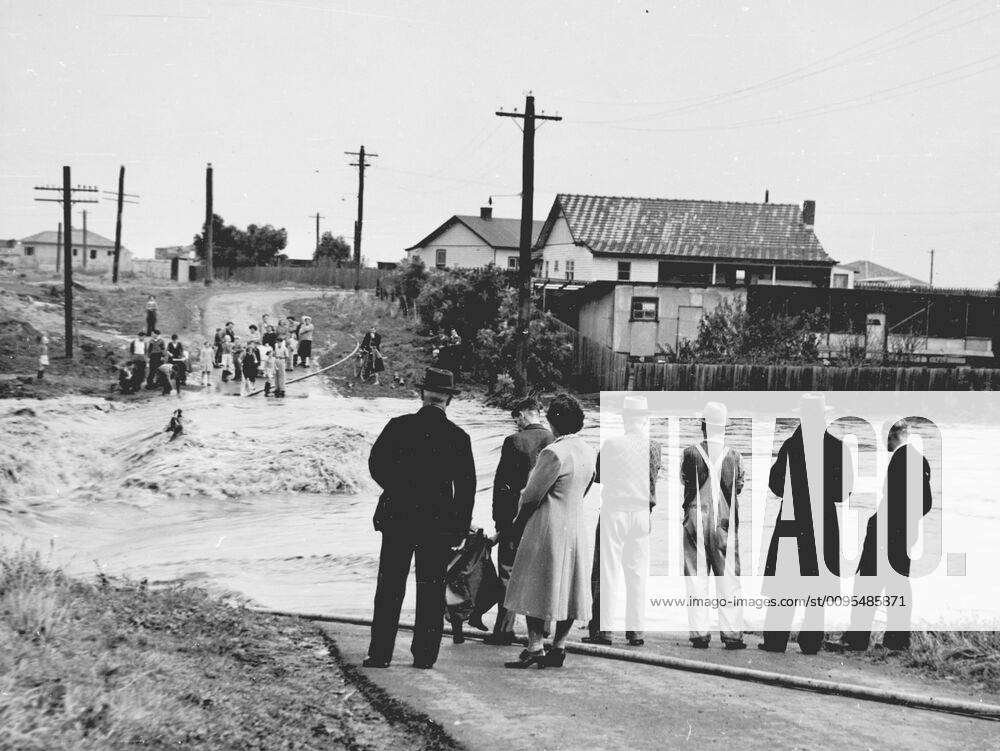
687 200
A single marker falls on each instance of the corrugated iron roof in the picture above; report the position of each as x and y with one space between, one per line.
869 271
668 227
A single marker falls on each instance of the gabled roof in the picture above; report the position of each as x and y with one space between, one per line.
666 227
498 232
50 237
871 272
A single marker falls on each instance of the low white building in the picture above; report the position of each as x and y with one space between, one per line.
92 253
473 241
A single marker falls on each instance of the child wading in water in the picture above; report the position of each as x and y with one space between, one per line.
43 355
270 364
206 356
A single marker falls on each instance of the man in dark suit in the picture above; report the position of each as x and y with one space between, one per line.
811 464
517 457
424 464
884 568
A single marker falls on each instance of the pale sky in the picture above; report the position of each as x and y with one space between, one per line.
887 114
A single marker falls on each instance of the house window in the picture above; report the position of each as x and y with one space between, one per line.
76 251
645 309
513 262
441 258
546 269
30 250
93 254
555 266
570 269
839 281
624 271
110 253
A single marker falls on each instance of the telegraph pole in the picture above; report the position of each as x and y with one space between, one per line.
931 280
318 217
84 238
360 164
67 202
527 217
120 199
209 272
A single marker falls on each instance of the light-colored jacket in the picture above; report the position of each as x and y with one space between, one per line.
551 574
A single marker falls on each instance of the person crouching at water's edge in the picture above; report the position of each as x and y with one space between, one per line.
423 462
550 580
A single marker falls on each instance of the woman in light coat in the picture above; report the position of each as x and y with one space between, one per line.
550 580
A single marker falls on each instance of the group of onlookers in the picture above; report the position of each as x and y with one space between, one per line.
267 350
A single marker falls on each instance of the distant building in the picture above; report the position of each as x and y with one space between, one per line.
869 273
842 277
473 241
174 251
638 274
95 252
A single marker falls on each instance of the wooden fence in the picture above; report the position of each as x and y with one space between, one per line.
323 275
595 366
693 377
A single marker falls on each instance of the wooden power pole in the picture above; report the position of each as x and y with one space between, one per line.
316 252
360 164
84 238
527 218
67 202
120 199
931 280
209 272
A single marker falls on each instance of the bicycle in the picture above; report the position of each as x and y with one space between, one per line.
364 366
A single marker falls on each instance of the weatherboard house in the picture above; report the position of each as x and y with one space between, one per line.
638 274
473 241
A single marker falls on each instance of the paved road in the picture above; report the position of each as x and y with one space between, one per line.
602 704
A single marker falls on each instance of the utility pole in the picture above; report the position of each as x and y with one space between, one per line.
527 217
67 202
318 217
360 164
84 238
931 251
209 272
120 199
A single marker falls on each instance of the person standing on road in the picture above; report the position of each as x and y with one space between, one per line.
280 365
712 474
177 356
251 364
151 309
138 351
423 462
305 341
627 468
154 353
550 580
371 352
517 458
43 355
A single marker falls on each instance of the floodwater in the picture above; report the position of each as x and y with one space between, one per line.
271 499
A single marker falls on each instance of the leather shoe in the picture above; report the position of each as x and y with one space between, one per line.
700 643
371 662
476 622
636 642
526 659
736 644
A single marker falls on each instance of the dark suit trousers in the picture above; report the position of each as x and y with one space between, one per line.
398 550
506 552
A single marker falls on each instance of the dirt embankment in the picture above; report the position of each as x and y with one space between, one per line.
106 318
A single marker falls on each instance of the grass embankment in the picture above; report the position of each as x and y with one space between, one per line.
97 666
344 320
104 315
969 657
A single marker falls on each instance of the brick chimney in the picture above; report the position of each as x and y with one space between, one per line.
486 212
808 213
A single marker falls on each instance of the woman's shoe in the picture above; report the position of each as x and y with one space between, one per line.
554 658
526 659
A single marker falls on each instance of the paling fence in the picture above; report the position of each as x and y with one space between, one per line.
596 367
322 275
711 377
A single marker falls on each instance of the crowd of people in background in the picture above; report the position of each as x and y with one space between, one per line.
264 351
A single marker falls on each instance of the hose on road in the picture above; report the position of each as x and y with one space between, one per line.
782 680
315 372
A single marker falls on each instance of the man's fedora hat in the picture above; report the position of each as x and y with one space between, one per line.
437 379
635 405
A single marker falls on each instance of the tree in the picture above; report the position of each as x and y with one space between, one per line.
231 246
335 249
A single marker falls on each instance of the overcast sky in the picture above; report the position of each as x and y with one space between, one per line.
887 114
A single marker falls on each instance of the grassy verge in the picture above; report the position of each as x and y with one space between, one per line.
97 666
104 314
968 657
